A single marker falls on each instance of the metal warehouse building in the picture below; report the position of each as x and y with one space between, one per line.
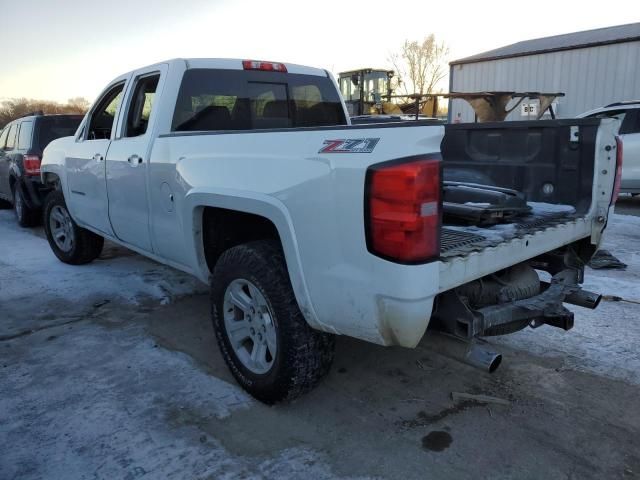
593 68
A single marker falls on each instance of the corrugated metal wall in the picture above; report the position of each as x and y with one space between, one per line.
590 77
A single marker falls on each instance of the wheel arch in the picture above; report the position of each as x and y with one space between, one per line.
262 206
51 179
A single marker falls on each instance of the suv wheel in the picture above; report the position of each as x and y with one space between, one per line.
266 342
27 217
70 243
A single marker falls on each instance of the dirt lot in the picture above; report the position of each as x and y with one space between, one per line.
110 371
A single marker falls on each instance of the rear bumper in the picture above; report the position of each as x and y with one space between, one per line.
33 191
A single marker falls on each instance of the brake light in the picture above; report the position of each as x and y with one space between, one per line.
31 164
404 209
265 66
618 180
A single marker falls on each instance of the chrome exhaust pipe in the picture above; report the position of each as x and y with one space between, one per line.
470 352
584 298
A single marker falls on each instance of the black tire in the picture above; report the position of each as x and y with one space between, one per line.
27 217
4 204
86 247
304 355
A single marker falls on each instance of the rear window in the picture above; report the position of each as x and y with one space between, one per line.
49 128
247 100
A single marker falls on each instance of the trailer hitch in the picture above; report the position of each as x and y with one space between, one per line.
454 314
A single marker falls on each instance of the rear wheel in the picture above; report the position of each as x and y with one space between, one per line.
263 337
70 243
27 217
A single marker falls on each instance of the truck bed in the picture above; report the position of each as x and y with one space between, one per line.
550 163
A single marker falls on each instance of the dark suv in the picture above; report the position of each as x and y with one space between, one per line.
21 145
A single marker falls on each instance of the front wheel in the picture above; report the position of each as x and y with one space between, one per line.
263 337
70 243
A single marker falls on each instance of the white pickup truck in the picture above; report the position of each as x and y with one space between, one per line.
250 176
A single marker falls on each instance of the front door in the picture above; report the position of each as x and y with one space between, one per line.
128 161
86 195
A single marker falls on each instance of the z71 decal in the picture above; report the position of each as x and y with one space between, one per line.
349 145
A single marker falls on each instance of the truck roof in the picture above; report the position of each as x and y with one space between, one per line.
236 64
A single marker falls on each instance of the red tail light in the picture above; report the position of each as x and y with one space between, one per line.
31 164
266 66
404 209
618 180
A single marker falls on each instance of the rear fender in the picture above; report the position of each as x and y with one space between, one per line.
258 204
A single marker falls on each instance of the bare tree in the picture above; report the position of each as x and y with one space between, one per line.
420 65
78 104
13 108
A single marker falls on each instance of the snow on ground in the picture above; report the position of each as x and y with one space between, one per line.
133 413
605 341
99 398
117 274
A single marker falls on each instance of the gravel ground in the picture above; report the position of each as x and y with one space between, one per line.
110 371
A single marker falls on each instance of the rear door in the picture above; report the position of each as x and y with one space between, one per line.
86 194
128 159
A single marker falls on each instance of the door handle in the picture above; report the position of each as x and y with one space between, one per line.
134 160
98 157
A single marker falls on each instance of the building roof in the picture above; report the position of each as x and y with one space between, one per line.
569 41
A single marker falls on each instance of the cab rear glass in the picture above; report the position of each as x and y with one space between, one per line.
211 100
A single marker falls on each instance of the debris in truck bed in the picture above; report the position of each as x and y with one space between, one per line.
604 259
479 204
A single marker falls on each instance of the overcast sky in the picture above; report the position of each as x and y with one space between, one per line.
61 49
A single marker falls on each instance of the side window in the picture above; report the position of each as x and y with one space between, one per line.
24 137
11 138
3 138
103 118
141 105
631 122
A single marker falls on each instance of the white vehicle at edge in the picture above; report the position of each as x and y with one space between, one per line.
249 176
628 113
